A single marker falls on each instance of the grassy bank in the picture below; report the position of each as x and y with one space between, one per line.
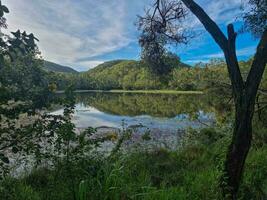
140 91
192 172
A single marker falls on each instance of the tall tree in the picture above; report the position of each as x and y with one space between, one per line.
162 24
21 75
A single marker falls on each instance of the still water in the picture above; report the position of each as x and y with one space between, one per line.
164 116
166 112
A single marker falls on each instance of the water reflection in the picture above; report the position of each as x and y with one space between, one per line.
157 105
156 111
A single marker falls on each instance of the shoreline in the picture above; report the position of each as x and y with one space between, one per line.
136 91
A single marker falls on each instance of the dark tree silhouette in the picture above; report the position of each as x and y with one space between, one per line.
162 24
20 43
158 29
255 17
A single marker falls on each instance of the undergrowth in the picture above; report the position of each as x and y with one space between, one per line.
191 172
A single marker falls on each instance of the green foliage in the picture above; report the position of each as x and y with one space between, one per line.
161 26
65 165
14 50
21 77
24 80
136 75
190 172
14 190
159 62
122 75
19 45
23 87
255 17
130 75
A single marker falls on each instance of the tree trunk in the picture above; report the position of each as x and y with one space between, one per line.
245 97
239 148
244 94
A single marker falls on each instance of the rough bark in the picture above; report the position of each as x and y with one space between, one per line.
242 134
238 149
244 96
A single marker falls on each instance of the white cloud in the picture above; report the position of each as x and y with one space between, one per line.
247 51
72 30
78 32
221 11
85 65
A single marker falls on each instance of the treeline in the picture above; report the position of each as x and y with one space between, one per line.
118 74
136 75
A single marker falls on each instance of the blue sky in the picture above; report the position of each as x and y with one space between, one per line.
85 33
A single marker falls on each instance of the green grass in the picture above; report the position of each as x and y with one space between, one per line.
191 172
140 91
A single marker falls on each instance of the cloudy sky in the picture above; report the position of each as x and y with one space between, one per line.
85 33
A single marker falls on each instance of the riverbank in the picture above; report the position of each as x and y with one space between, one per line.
190 172
137 91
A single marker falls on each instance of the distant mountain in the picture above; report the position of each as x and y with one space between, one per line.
50 66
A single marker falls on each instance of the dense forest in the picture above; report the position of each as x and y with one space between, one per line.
135 75
44 156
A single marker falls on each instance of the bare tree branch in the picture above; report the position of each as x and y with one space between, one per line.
258 67
232 62
227 45
208 23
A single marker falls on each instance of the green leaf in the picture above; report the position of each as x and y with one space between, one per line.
32 37
5 9
17 34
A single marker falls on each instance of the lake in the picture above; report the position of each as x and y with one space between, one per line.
164 116
164 112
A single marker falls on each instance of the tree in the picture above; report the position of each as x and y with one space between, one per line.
153 42
19 44
21 75
162 25
255 17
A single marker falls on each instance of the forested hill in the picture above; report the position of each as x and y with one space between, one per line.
50 66
106 65
125 74
113 64
135 75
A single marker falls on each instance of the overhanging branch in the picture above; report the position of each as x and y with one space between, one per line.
227 45
208 23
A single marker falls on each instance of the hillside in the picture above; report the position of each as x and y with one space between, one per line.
111 65
127 74
105 65
50 66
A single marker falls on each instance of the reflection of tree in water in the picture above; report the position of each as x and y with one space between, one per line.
157 105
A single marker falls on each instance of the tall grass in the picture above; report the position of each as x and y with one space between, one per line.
191 172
